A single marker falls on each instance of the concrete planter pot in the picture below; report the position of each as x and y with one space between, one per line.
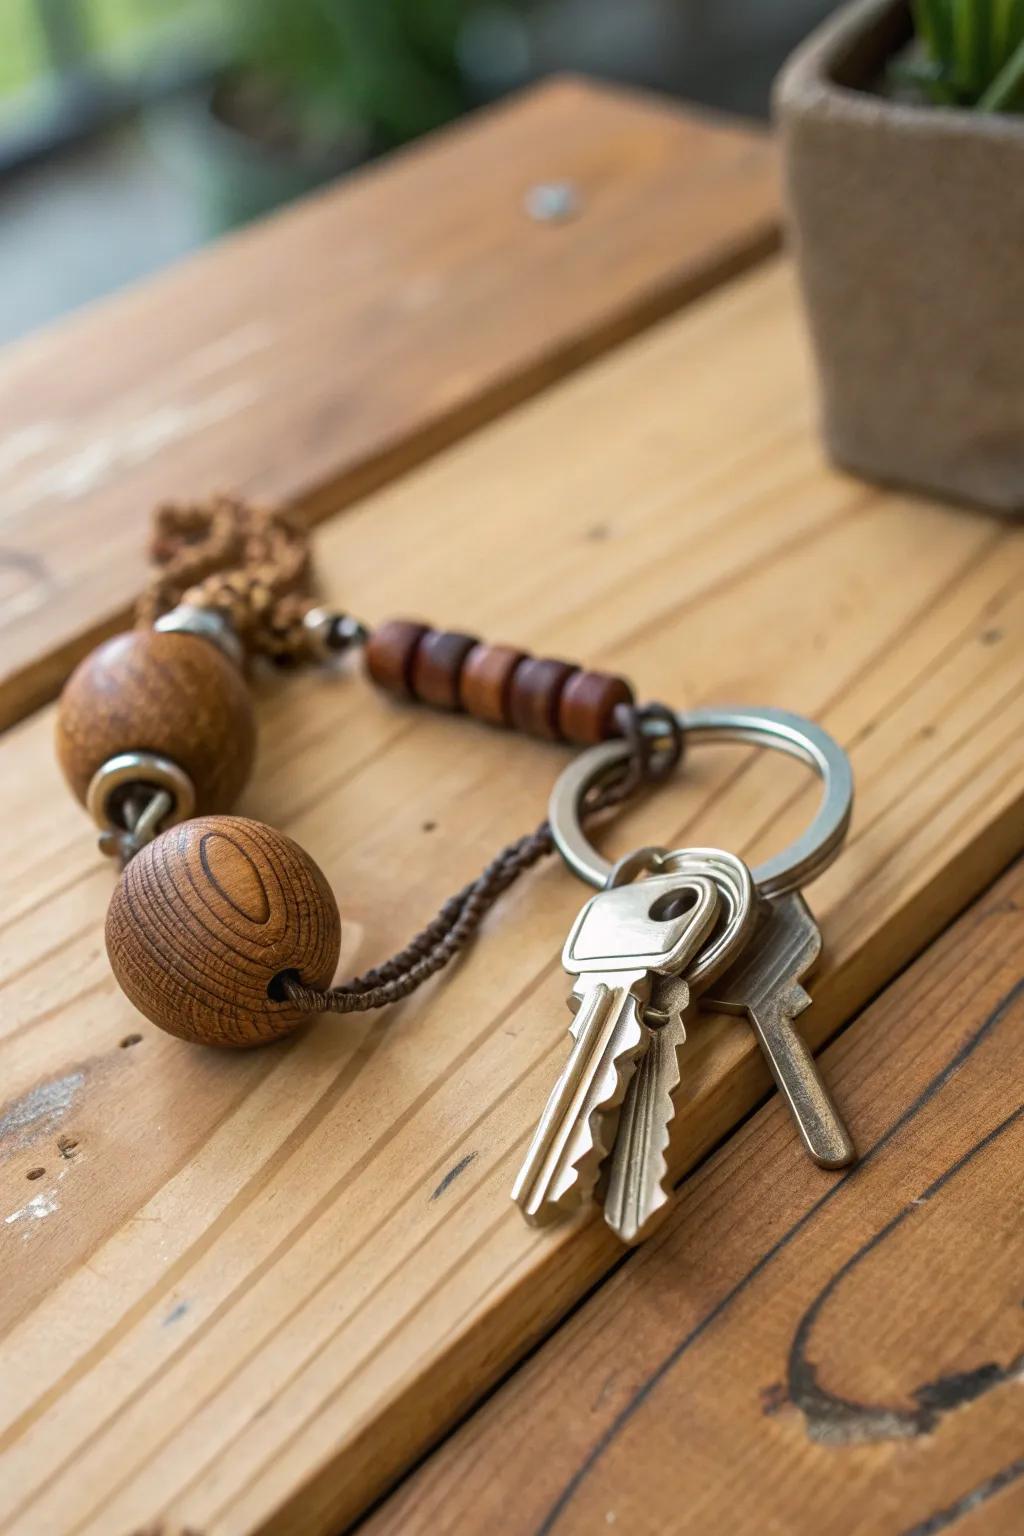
908 224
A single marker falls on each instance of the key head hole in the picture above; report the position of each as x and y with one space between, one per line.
673 904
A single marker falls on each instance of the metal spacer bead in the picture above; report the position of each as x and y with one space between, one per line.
330 634
146 770
208 624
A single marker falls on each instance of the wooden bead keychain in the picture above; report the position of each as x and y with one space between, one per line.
224 931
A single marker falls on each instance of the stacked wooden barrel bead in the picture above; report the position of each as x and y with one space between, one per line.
497 683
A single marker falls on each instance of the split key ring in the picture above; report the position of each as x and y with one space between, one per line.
783 731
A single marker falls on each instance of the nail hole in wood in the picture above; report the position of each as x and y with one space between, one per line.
130 1040
35 1173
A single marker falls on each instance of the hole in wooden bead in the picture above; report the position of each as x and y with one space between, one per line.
277 985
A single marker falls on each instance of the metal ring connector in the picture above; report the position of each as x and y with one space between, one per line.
780 729
208 624
147 770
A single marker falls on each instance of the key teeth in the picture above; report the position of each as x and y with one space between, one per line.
578 1178
637 1199
575 1180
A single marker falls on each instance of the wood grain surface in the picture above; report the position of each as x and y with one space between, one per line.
317 354
245 1293
790 1354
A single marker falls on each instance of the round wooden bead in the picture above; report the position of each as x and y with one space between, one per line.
437 667
175 695
534 696
587 707
389 654
486 682
207 916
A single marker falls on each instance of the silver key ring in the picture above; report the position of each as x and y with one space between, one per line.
779 729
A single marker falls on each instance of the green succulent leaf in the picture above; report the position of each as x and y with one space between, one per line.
966 53
1006 93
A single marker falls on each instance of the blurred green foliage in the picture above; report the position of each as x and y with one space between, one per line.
967 53
113 32
388 65
21 47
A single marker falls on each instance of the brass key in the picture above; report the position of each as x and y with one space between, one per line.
764 983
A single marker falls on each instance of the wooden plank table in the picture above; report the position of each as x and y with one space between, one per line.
795 1353
330 348
247 1294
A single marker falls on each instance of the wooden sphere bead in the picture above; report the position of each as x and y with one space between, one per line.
537 685
437 667
205 918
587 707
389 654
175 695
486 682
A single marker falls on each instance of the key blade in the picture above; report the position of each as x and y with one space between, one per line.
797 1078
637 1198
764 984
577 1128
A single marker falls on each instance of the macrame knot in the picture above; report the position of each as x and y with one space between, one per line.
248 563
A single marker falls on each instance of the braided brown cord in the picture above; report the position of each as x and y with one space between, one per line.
254 567
248 563
460 917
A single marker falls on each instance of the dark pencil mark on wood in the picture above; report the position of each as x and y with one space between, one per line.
453 1173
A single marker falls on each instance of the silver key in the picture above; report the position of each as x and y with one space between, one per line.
765 985
618 944
637 1198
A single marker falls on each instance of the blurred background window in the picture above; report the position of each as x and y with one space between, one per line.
132 131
